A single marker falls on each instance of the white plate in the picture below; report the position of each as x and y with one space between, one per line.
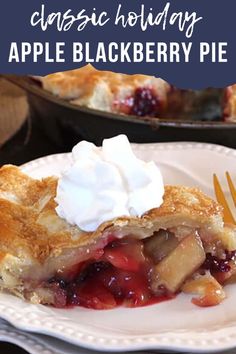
176 324
38 343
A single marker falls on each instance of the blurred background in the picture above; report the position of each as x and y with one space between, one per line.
21 138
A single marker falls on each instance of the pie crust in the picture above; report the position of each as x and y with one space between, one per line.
108 91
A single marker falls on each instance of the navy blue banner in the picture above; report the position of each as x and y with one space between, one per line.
189 43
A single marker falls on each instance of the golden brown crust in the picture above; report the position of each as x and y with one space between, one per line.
104 90
186 201
20 188
81 82
29 223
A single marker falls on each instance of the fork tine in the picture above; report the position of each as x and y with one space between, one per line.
231 187
228 217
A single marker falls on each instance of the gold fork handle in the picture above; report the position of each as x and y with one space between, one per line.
228 216
231 187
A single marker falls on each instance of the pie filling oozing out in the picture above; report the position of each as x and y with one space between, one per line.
181 246
129 272
121 275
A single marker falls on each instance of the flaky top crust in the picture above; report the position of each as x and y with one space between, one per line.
29 225
80 83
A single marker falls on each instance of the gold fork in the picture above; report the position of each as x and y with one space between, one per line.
220 196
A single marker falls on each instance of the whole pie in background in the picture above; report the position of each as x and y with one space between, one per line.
139 95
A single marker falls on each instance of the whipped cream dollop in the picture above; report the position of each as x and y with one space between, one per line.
107 182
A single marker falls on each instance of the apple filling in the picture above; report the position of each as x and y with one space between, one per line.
135 273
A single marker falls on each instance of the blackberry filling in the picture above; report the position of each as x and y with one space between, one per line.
135 273
216 264
145 103
120 277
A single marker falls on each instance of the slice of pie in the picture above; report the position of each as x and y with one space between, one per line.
181 246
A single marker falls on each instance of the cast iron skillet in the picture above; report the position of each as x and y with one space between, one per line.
63 122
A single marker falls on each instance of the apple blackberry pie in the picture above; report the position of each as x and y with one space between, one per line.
181 246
